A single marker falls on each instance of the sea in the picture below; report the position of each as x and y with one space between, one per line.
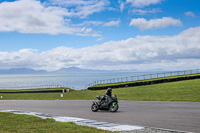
76 81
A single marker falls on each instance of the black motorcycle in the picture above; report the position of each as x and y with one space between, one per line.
110 104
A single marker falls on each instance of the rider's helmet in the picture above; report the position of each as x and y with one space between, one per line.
109 90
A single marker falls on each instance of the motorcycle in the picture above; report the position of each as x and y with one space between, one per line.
110 104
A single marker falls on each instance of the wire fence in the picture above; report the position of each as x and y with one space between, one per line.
143 77
31 87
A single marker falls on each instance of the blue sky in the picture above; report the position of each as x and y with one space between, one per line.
100 34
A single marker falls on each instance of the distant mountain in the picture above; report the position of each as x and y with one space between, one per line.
76 70
21 71
62 70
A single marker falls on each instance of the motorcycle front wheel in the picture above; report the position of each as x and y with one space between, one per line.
113 108
94 108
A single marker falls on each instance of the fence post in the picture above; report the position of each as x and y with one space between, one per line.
131 78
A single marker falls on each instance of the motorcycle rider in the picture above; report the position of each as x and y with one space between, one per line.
108 94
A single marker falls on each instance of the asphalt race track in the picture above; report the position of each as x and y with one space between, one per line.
184 116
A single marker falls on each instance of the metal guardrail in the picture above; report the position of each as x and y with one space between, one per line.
32 87
38 91
143 77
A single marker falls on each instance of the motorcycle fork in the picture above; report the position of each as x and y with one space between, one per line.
96 104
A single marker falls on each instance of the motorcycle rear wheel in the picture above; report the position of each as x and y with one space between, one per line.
94 108
113 108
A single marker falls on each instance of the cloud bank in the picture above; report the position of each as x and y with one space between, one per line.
32 16
141 52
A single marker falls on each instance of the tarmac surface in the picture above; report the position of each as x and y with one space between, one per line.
183 116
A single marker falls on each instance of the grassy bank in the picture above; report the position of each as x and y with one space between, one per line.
188 90
145 80
12 123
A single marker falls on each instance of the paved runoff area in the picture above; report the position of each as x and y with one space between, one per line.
97 124
178 116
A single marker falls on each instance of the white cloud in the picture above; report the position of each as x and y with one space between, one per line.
100 23
99 39
32 16
142 3
70 3
189 14
29 16
141 52
142 12
122 5
82 8
112 23
144 24
88 23
22 58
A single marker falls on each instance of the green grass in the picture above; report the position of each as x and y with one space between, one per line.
12 123
188 90
128 82
176 91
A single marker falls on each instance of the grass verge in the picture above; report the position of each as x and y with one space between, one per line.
188 90
14 123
